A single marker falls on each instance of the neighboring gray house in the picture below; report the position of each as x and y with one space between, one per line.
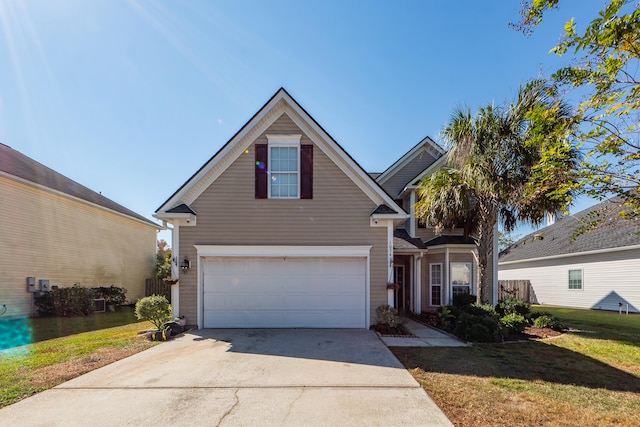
600 269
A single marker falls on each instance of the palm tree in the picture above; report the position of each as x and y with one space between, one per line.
510 164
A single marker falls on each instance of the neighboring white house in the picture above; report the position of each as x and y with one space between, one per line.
599 269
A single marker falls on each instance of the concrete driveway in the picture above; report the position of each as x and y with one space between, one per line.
250 377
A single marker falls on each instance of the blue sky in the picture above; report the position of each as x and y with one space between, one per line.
130 98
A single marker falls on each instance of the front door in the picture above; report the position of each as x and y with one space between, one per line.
401 297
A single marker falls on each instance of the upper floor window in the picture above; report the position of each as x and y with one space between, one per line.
284 166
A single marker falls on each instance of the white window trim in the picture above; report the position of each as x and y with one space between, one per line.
283 141
471 287
431 284
581 288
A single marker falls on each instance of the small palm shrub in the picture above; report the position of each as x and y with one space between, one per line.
514 322
156 309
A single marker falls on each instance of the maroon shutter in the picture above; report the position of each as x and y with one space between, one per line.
306 171
261 171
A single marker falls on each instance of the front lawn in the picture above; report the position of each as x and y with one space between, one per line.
587 377
31 368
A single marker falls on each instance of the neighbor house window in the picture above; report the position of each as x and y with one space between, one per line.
436 283
575 279
284 166
460 278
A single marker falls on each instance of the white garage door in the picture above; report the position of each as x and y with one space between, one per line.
279 292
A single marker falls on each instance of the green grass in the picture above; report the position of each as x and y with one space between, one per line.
588 377
45 363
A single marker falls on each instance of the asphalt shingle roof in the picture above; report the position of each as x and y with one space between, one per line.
14 163
450 240
384 209
555 239
402 240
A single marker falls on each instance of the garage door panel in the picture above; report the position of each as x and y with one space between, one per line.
284 292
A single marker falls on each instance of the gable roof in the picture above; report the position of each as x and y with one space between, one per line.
427 144
555 240
17 165
281 102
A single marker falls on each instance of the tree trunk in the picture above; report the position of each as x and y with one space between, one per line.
485 251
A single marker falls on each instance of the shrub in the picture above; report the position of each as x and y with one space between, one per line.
547 321
461 300
387 315
156 309
513 305
535 314
112 295
481 310
73 301
484 328
514 322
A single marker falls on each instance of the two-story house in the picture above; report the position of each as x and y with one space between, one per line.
283 228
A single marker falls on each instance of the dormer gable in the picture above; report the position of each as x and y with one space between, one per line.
412 163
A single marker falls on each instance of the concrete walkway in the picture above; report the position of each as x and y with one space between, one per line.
425 337
242 377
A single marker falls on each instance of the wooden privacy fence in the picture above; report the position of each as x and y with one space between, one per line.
157 287
520 289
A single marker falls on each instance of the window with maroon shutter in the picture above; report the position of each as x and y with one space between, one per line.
262 179
306 171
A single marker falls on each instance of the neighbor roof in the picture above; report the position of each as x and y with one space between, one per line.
555 239
18 165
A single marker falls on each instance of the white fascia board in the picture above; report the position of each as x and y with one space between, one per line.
427 143
280 251
77 199
574 254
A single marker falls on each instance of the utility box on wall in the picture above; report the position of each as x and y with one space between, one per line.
31 285
44 285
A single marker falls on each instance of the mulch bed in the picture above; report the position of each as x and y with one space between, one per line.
533 334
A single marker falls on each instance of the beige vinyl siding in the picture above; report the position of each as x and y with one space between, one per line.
50 236
228 214
429 233
396 183
607 280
